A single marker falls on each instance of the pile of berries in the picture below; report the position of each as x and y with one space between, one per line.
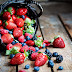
17 30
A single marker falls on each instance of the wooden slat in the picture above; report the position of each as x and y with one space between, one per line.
67 21
43 68
51 26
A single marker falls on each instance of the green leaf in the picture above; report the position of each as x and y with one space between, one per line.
1 13
56 37
7 52
39 52
33 21
24 32
51 41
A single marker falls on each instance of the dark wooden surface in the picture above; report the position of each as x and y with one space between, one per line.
51 26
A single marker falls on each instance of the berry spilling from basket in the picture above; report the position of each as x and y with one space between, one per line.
17 31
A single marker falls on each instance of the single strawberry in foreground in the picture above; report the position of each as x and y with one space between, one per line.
19 22
17 32
11 10
58 42
34 56
10 25
21 11
41 59
6 15
7 38
30 42
17 59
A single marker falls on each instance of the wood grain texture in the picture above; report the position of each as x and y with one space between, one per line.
51 26
67 21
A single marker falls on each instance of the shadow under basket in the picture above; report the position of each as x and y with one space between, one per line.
32 13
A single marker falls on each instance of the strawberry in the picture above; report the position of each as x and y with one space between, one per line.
22 28
7 38
32 48
19 22
21 71
58 42
9 46
11 10
41 59
3 31
21 39
24 48
34 56
0 22
1 27
30 42
17 32
19 44
6 15
21 11
10 25
14 17
17 59
27 34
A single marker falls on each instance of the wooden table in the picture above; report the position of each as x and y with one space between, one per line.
51 25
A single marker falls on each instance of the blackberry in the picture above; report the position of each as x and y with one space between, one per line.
59 58
49 54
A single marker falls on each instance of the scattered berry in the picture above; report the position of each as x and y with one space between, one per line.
21 71
60 68
27 38
27 66
36 49
0 22
36 68
23 16
3 31
12 55
55 54
13 42
23 44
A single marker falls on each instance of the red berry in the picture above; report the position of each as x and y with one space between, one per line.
19 22
19 44
21 11
21 71
3 31
7 38
14 17
9 46
30 42
41 59
58 42
1 27
24 48
34 56
6 15
0 22
32 48
17 32
17 59
21 39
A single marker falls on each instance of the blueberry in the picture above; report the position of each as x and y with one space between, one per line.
37 49
24 40
7 30
49 54
27 66
59 58
11 56
27 38
13 42
36 68
10 32
43 46
50 63
55 54
23 16
47 51
60 68
23 44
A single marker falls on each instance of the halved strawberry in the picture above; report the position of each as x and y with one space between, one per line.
21 11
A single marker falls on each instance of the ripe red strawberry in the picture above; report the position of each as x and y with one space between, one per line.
6 15
30 42
19 22
21 71
21 39
41 59
0 22
9 46
59 43
19 44
24 48
11 10
22 28
34 56
3 31
1 27
27 34
17 59
10 25
7 38
21 11
14 17
17 32
31 48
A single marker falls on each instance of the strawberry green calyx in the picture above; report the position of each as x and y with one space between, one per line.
51 41
5 10
23 32
56 37
6 23
39 52
33 21
28 21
